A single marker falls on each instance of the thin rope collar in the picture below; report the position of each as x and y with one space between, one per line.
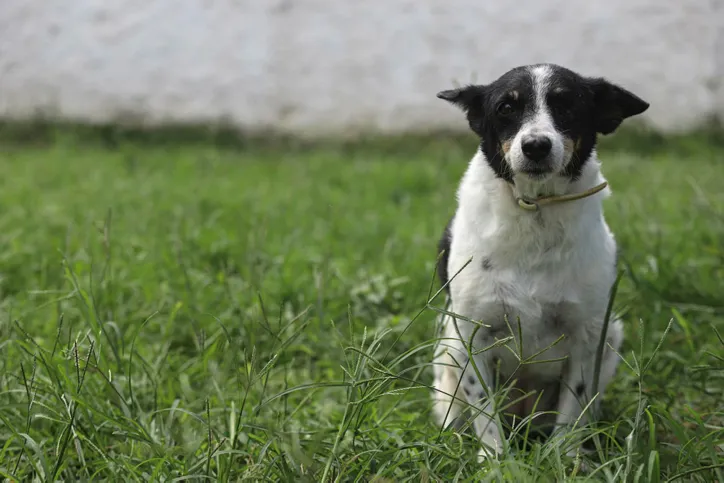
534 205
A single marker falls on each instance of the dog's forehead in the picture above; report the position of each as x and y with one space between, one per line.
518 82
546 77
562 78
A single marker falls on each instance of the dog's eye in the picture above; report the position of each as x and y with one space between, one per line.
505 109
563 110
562 105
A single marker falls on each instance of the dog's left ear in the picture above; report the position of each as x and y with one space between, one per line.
613 104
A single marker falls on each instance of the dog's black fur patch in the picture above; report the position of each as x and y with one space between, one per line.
443 246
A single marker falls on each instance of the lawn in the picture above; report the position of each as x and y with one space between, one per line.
261 310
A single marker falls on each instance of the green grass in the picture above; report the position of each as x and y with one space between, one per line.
261 311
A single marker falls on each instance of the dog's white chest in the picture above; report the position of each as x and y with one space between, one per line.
536 278
535 306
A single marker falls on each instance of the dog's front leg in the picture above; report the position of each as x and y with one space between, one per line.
573 393
577 388
478 384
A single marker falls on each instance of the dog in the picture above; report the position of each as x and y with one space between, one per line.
528 261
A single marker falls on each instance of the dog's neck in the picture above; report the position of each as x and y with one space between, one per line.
531 189
503 195
488 209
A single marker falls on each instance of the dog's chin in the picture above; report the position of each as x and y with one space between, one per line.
522 167
537 174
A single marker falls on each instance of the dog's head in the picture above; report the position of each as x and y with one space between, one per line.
542 120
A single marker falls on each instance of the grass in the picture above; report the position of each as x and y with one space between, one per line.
262 311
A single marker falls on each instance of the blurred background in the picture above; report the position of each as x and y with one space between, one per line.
323 66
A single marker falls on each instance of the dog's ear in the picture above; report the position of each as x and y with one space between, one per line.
470 99
466 98
613 104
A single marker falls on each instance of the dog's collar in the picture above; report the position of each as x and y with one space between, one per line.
534 205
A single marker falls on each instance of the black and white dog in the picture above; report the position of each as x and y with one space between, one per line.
528 255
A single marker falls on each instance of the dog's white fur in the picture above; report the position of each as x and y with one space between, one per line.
552 269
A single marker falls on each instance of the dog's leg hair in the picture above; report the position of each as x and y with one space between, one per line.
478 384
479 387
576 389
448 399
458 376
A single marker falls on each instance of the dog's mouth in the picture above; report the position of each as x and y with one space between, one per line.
537 172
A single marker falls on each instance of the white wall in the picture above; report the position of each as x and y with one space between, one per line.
320 66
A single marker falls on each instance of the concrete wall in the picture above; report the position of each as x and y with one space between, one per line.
321 66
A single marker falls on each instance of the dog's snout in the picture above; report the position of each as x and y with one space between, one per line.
536 148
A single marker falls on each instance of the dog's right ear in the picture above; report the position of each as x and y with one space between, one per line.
470 99
467 98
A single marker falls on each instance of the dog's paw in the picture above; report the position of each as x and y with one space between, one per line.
485 455
491 450
578 462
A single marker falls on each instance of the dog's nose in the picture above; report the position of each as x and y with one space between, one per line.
536 147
